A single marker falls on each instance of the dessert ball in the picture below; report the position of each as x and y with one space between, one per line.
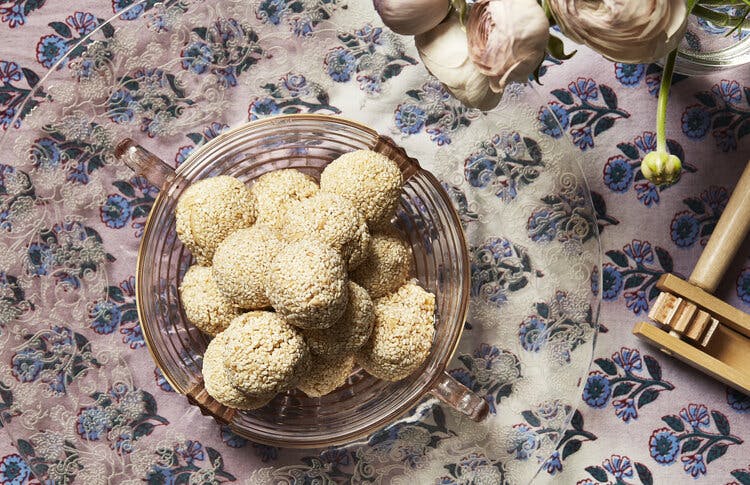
209 210
264 354
335 221
217 382
387 266
276 191
350 332
241 263
307 284
204 305
370 180
402 336
325 374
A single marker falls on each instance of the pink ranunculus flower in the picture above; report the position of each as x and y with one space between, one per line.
412 17
507 39
631 31
445 53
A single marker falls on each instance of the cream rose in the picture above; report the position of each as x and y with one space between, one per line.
412 17
632 31
445 53
507 39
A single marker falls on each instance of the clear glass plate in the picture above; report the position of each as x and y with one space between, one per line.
178 74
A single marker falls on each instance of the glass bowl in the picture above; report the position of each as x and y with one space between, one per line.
708 47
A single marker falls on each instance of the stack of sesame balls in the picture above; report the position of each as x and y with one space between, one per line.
297 281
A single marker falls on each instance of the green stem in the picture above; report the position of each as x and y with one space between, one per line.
720 19
661 110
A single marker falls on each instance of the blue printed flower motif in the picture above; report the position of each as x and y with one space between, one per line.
696 415
618 174
629 74
232 439
554 119
340 63
197 57
295 84
636 301
628 359
743 286
684 229
531 333
619 466
121 104
263 107
625 409
596 391
183 153
726 140
161 381
107 317
639 251
270 11
694 465
265 453
92 423
14 15
738 401
50 49
9 72
190 451
611 282
729 91
585 89
132 14
41 259
583 138
663 446
525 442
14 470
695 122
83 22
553 463
116 211
410 118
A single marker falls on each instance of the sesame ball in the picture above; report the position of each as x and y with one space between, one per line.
204 305
264 353
241 263
325 374
209 210
307 284
369 179
386 267
217 382
403 333
276 191
335 221
350 332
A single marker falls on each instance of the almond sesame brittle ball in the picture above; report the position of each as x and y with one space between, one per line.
307 284
402 336
335 221
276 191
325 374
241 263
203 304
264 354
387 266
370 180
350 332
209 210
217 383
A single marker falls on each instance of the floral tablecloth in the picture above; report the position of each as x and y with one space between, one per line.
643 417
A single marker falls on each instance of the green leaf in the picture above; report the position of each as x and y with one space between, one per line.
563 95
644 474
674 422
649 395
634 281
742 476
439 416
716 451
622 388
743 129
607 366
542 309
571 447
61 29
531 418
580 118
603 125
215 458
629 150
577 421
653 367
618 257
722 121
708 229
707 99
695 204
201 32
665 260
690 445
107 29
31 77
721 422
115 293
556 48
196 138
609 96
143 429
125 188
599 473
25 448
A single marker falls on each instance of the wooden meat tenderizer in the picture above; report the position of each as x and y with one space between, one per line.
695 326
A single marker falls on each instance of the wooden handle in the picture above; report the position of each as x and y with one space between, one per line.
726 239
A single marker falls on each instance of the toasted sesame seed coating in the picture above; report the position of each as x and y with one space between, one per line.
386 267
217 383
403 333
369 179
209 210
307 284
325 374
241 263
204 305
350 332
276 191
335 221
264 354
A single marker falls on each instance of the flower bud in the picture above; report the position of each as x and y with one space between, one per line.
445 53
412 17
661 168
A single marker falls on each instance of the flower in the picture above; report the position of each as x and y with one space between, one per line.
618 174
132 13
339 64
410 118
14 470
554 119
628 359
695 122
728 91
92 423
162 382
46 153
611 282
629 74
639 251
585 88
525 442
231 439
716 198
262 107
50 49
743 285
738 401
412 17
183 153
632 31
9 71
445 53
553 463
197 57
647 193
597 390
295 84
14 15
116 211
266 453
507 39
696 415
725 140
531 333
121 104
583 138
636 301
661 168
133 336
83 22
619 466
106 317
684 229
663 446
191 451
40 259
625 409
694 465
270 11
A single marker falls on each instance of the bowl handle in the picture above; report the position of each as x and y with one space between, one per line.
460 397
145 163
